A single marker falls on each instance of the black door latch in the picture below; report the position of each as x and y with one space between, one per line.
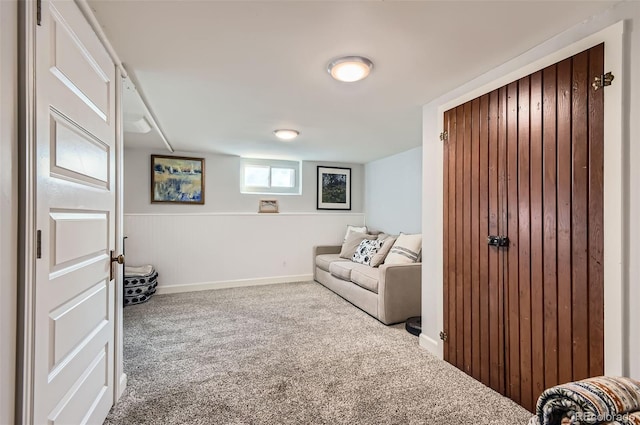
501 241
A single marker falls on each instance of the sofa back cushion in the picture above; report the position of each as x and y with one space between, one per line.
366 250
406 249
352 242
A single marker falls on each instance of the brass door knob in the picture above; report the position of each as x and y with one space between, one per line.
117 259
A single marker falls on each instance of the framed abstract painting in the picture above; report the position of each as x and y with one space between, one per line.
177 179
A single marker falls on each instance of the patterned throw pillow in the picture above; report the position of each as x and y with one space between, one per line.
365 251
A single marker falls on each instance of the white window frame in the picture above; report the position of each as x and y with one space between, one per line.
271 163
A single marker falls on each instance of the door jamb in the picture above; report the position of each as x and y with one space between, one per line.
27 210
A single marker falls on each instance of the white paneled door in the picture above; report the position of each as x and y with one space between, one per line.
73 358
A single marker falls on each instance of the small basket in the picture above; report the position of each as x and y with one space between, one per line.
138 289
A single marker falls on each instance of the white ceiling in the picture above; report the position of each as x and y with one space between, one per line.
221 76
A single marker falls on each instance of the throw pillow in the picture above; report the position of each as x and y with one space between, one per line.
382 253
406 249
366 250
351 229
352 242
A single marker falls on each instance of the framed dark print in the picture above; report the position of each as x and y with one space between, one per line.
334 188
177 179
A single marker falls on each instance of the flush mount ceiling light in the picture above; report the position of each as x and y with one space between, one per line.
285 134
350 68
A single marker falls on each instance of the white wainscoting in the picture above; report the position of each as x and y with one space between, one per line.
217 250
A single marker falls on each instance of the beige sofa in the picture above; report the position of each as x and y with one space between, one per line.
390 292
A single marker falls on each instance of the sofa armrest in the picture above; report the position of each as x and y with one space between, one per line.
323 249
399 292
326 249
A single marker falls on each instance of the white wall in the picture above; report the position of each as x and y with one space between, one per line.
393 193
628 77
8 204
222 186
226 242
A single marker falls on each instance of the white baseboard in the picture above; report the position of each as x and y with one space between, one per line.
431 345
123 385
204 286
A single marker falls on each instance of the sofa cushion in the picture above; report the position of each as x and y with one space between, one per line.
406 249
365 251
365 277
352 242
342 269
380 256
324 260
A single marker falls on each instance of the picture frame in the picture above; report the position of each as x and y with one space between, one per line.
268 206
334 188
177 180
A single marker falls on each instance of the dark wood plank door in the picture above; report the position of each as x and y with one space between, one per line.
525 161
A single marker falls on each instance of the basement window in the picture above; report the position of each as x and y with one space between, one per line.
269 176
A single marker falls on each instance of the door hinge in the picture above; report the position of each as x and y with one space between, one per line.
443 336
39 12
600 81
444 136
39 244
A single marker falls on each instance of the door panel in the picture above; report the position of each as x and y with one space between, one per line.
525 161
550 240
511 282
74 296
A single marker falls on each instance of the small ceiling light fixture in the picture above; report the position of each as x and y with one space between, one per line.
286 134
350 68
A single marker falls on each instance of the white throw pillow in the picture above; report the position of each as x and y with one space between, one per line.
406 249
366 250
359 229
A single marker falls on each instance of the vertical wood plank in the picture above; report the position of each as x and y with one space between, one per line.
549 227
579 217
513 290
467 238
524 255
484 232
476 238
596 207
494 329
453 251
502 231
459 237
445 235
536 213
565 330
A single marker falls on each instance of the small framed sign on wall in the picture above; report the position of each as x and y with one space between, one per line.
334 188
177 179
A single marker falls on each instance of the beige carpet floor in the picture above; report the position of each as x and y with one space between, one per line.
288 354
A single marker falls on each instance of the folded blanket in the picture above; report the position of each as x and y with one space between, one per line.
601 400
138 271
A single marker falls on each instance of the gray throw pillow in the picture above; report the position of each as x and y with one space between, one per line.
379 257
352 242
